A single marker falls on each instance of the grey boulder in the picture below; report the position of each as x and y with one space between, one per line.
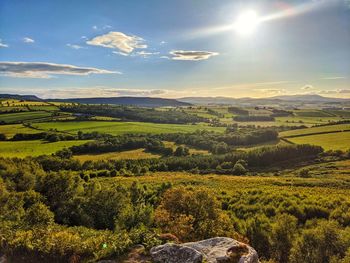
173 253
213 250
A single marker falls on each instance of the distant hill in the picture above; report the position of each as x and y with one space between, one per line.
308 98
286 99
135 101
132 101
20 97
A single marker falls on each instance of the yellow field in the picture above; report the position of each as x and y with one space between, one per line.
132 154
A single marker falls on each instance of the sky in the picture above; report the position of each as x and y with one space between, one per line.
173 49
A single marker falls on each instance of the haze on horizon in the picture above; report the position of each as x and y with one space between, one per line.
172 49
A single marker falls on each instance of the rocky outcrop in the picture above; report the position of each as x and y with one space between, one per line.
173 253
213 250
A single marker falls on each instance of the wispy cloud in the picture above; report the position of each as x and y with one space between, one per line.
337 91
95 27
146 54
191 55
3 44
333 78
271 91
73 46
307 87
28 40
45 70
118 40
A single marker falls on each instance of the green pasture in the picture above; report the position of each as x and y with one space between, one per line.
23 149
319 129
23 116
117 128
329 141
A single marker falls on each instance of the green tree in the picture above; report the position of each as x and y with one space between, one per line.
192 214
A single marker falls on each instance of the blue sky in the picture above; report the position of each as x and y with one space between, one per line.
175 48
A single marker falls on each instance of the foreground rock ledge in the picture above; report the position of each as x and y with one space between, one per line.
213 250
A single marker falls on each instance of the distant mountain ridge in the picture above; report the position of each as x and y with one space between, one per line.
269 100
132 101
20 97
187 101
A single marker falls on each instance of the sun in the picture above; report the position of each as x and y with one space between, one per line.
246 22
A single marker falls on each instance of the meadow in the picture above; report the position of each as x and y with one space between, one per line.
11 129
21 149
322 181
329 141
118 128
317 129
23 116
129 155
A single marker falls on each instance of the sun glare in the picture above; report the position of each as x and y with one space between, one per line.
247 22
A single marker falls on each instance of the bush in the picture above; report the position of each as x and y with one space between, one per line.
192 215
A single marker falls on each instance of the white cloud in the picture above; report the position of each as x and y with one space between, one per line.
191 55
45 70
271 91
307 87
333 78
3 44
120 53
162 42
337 91
88 92
74 46
28 40
118 40
146 54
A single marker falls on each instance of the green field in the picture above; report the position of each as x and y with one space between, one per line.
117 128
23 149
307 121
23 116
312 113
11 129
320 129
329 141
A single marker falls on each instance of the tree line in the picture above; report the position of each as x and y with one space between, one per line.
135 113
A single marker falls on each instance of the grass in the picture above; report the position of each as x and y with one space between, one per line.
340 113
329 141
8 109
320 129
312 113
307 121
118 128
23 149
44 108
23 116
11 129
333 182
132 154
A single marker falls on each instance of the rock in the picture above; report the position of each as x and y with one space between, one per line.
173 253
213 250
